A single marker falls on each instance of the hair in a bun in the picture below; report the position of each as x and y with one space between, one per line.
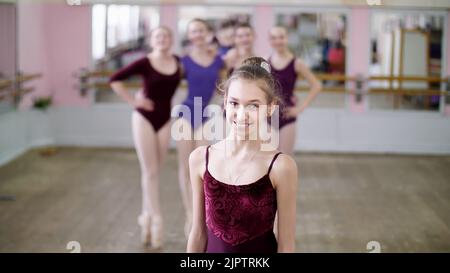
256 69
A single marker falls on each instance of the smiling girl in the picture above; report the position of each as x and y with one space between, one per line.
237 186
160 71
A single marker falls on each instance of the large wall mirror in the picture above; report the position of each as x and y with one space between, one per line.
319 38
119 37
120 34
407 44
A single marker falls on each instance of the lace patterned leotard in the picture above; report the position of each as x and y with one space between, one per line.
240 218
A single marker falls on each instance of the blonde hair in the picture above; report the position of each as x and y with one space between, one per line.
204 22
167 29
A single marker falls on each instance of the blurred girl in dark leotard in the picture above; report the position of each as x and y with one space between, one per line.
238 185
286 68
160 73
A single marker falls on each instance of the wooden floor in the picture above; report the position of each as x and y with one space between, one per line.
344 201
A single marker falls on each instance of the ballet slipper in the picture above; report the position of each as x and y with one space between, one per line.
144 221
157 230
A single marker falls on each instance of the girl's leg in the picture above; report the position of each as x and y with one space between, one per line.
287 141
185 147
164 142
146 143
287 138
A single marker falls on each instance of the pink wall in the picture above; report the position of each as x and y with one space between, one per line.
69 46
359 40
359 44
263 21
55 40
8 41
32 51
168 16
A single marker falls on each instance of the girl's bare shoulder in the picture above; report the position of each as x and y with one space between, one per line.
197 156
284 167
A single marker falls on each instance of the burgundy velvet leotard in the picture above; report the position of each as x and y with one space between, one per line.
287 77
157 86
240 218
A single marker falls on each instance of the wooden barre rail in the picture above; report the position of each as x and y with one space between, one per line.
6 83
25 78
99 73
409 78
109 73
408 92
359 87
15 93
320 76
13 87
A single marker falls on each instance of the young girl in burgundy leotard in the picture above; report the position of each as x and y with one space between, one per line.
237 185
286 68
160 72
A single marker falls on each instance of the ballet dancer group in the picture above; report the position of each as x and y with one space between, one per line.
224 212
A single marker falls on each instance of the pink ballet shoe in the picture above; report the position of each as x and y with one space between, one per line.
157 230
144 221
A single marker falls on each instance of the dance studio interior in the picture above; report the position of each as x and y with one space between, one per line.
79 172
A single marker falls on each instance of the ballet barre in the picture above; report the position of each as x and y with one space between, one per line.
400 90
14 87
361 86
409 78
15 94
5 83
25 78
358 84
342 77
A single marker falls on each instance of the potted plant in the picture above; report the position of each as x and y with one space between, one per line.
42 104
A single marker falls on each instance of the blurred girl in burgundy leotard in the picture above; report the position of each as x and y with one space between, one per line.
161 74
238 185
286 68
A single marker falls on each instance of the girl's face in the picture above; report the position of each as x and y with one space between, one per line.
245 106
197 33
226 36
244 37
161 39
278 38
